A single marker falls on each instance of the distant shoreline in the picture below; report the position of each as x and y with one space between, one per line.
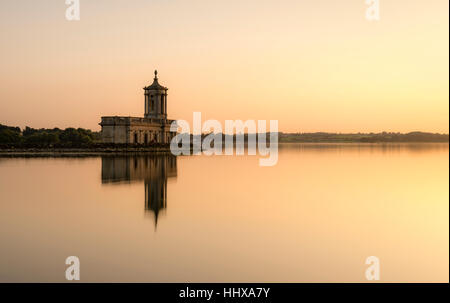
14 137
81 151
384 137
152 150
81 142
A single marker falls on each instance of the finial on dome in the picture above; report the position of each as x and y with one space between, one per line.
156 74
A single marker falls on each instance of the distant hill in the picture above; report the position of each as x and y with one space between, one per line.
322 137
361 137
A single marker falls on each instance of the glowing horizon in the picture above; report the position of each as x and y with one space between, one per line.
312 65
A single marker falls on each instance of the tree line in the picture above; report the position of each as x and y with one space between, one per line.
45 137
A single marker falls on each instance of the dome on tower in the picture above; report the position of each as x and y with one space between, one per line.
155 85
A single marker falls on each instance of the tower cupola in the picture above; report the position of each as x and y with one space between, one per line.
155 100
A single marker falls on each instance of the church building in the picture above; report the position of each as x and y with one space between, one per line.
154 127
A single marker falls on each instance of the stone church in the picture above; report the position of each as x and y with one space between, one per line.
154 127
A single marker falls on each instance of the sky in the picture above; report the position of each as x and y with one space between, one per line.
313 65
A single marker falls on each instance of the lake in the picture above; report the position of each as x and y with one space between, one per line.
313 217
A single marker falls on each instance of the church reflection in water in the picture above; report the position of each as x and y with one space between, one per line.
153 170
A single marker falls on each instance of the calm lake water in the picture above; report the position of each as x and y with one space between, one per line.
314 217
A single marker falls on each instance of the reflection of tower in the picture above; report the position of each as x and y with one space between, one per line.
155 196
156 185
154 170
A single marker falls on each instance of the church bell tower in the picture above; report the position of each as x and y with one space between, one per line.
155 100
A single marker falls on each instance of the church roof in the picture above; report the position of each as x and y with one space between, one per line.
155 85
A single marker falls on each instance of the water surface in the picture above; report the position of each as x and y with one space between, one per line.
314 217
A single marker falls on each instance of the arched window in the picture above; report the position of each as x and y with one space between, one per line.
146 138
135 138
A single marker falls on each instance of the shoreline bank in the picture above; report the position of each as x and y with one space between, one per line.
140 150
81 152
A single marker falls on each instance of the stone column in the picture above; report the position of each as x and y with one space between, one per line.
146 105
158 104
165 104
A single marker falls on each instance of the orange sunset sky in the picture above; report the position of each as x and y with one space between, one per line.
314 65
